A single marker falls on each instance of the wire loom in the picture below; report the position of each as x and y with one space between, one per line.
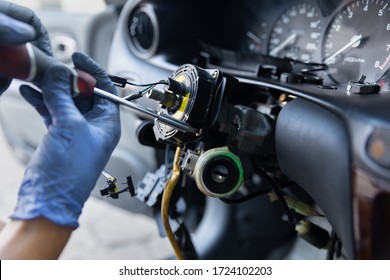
168 190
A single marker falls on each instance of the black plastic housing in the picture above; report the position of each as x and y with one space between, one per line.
313 149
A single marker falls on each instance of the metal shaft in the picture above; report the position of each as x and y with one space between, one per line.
160 117
106 174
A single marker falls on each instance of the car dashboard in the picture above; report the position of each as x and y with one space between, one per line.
348 37
291 97
319 69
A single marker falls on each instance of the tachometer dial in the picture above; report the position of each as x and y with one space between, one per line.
297 33
357 42
256 38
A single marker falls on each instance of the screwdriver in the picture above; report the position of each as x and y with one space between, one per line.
28 63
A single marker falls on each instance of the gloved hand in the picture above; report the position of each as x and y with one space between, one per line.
19 25
65 167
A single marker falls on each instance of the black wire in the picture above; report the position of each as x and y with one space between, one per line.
244 198
278 193
121 82
162 82
138 94
122 191
330 254
338 248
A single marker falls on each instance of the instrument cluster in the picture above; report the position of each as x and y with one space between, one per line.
351 37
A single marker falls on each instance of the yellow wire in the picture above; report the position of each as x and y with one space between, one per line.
167 194
300 207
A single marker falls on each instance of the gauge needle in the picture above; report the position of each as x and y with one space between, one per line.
384 67
384 63
290 39
353 41
253 37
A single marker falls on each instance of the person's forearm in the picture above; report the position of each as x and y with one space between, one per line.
33 239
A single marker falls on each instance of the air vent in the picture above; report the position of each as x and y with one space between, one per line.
63 46
143 31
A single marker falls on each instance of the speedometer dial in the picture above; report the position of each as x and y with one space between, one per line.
357 42
297 33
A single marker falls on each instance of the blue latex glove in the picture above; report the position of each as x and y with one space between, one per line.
65 167
19 25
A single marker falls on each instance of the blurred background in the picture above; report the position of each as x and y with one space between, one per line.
85 6
106 231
